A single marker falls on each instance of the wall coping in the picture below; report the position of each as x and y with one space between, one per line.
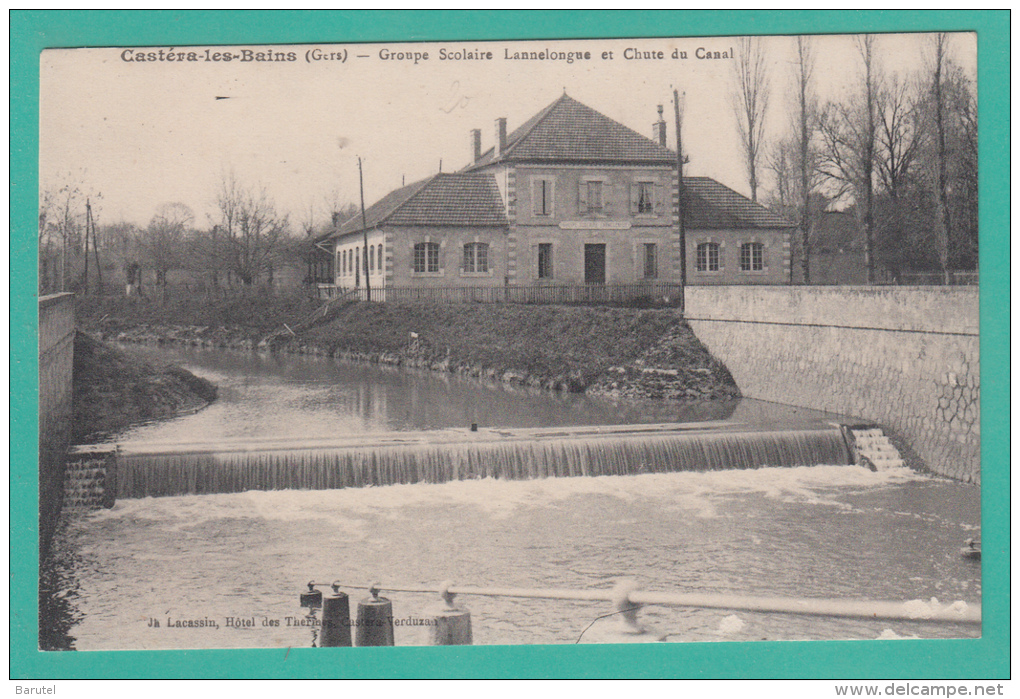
952 310
53 299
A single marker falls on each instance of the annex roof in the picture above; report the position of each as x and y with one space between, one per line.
445 199
569 131
711 205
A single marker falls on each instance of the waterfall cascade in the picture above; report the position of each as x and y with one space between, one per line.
871 446
152 470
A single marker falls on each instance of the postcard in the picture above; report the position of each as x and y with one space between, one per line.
538 346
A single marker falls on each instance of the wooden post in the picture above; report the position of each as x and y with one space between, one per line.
364 229
680 204
88 225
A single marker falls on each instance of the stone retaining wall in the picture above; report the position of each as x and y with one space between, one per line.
904 357
56 362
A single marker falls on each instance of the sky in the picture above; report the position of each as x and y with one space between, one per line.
140 134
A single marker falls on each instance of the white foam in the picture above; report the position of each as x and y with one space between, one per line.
695 494
890 635
730 625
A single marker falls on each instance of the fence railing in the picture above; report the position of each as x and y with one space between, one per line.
650 293
937 279
450 624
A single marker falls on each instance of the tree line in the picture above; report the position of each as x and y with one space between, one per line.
899 151
245 244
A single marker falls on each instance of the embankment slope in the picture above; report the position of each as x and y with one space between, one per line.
615 351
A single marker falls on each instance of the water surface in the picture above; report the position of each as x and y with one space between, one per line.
822 531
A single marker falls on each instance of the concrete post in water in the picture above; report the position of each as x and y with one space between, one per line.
450 625
375 620
623 626
336 620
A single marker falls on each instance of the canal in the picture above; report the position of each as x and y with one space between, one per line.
821 531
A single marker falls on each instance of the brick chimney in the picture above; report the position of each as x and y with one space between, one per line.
659 130
500 136
476 145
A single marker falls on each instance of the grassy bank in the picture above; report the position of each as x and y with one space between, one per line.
616 351
113 390
256 313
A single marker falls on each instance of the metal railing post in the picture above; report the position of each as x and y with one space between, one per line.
451 624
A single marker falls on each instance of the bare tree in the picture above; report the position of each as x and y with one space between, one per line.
806 115
848 134
943 222
750 103
899 135
948 155
62 233
252 230
162 243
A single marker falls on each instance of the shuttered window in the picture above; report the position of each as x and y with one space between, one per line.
542 197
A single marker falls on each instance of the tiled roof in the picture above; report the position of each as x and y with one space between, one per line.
567 130
446 199
710 205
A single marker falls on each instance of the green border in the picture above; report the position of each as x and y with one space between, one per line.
987 657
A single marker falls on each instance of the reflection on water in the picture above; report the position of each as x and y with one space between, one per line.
304 396
315 397
824 531
815 532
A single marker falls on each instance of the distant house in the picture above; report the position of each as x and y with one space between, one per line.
570 197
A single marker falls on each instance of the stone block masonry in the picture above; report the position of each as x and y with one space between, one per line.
56 361
906 358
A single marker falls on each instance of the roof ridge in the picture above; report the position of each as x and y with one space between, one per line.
538 119
621 125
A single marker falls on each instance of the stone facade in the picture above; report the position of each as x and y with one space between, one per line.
906 358
570 198
775 256
566 224
56 363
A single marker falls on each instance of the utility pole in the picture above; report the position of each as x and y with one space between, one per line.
680 203
95 252
88 225
364 230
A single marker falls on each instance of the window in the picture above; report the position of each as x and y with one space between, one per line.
651 261
595 196
545 261
752 257
542 195
426 257
476 257
371 258
645 194
378 257
357 260
343 265
708 257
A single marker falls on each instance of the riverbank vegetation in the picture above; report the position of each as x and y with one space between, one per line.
113 390
616 351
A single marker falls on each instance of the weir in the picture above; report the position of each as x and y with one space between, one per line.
160 469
